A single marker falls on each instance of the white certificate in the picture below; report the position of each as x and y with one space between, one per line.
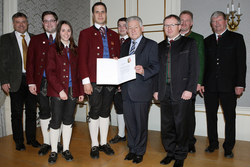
115 72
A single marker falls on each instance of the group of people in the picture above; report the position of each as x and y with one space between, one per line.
50 69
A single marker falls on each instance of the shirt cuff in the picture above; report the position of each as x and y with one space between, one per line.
86 81
32 84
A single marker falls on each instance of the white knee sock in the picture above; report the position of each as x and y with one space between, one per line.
104 128
54 134
121 125
60 133
44 127
66 134
94 130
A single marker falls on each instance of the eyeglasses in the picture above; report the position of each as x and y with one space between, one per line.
170 25
49 21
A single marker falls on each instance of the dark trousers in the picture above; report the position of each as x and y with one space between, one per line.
175 125
43 101
18 100
136 120
118 102
192 124
62 111
228 103
100 101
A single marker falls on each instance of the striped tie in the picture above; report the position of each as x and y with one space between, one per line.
132 50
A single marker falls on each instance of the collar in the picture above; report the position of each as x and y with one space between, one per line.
65 44
53 35
187 33
19 34
216 35
125 37
175 38
98 26
137 40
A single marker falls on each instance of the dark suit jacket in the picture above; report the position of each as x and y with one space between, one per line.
141 89
57 72
91 47
225 63
184 67
10 61
35 66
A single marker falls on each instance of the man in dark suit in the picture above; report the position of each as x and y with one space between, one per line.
97 42
175 88
186 26
224 80
137 94
13 52
36 78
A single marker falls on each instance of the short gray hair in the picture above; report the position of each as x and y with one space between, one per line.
131 18
217 14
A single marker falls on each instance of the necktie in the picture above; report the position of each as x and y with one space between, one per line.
122 40
102 31
132 50
67 49
50 39
25 49
169 62
218 38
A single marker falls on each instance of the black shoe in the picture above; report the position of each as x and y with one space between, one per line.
44 149
59 147
228 154
178 163
52 158
117 139
34 143
166 160
94 152
67 155
191 149
130 156
106 149
20 147
137 159
211 149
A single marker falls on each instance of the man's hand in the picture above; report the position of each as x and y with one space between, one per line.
155 95
239 91
63 95
32 89
186 95
6 88
139 69
88 89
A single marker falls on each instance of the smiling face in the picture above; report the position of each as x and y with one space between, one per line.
134 29
219 24
99 15
186 23
20 24
122 29
171 27
49 23
65 33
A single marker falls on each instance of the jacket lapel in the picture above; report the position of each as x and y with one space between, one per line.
15 43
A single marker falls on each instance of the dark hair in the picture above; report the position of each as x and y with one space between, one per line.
18 14
173 16
97 4
122 19
49 13
59 45
187 12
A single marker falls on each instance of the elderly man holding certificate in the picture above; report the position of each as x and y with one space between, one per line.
137 93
